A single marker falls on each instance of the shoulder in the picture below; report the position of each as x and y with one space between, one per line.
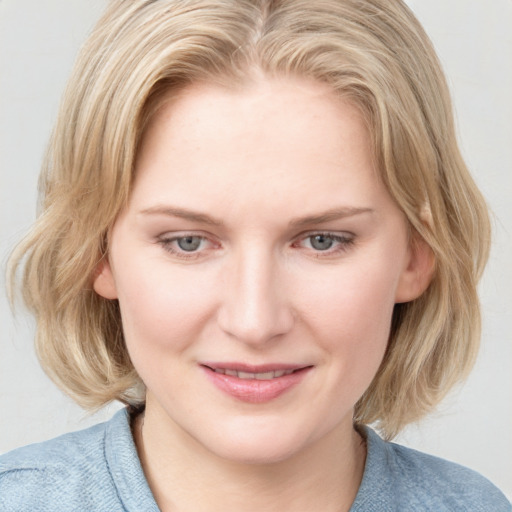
445 483
414 481
66 473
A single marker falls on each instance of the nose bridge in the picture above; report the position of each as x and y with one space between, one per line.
255 308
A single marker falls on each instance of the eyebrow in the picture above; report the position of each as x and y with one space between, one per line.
194 216
328 215
183 213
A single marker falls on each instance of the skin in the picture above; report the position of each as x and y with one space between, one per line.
257 290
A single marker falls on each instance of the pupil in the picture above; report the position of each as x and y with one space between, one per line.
321 242
189 243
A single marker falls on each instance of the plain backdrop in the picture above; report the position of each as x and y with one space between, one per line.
39 40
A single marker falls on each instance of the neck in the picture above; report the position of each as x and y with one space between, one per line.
323 476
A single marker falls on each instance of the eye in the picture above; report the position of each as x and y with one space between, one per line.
321 242
328 243
185 246
189 243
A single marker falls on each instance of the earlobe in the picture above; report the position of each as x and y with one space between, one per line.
103 280
418 273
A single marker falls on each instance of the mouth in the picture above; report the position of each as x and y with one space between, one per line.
273 374
255 384
254 372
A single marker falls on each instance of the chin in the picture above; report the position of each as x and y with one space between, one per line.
251 453
262 444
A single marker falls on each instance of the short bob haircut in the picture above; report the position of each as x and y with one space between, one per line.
373 53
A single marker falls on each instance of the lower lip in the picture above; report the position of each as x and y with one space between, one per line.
253 390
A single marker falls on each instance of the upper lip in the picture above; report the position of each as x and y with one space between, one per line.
253 368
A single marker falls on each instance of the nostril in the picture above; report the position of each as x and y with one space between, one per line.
255 324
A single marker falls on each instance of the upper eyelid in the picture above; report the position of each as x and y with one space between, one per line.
342 242
173 235
166 241
172 238
327 232
334 234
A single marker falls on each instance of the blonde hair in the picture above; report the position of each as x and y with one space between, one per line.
373 52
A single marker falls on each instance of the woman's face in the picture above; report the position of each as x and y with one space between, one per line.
257 266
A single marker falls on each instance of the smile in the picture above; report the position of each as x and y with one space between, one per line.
254 384
249 375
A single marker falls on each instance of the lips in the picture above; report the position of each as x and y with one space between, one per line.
272 374
254 384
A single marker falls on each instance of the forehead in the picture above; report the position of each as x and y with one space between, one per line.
273 139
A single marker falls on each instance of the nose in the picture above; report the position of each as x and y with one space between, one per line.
255 308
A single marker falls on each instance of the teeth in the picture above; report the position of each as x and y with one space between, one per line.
246 375
264 376
251 376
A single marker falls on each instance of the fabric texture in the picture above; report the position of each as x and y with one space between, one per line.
98 469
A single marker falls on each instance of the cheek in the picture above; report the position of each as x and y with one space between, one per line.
350 315
162 309
352 299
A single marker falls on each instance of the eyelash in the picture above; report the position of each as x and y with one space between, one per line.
167 244
344 243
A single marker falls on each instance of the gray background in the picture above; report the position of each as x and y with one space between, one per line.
38 42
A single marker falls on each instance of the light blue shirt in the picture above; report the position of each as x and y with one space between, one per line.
98 469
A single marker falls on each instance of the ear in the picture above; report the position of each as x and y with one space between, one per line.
418 272
103 280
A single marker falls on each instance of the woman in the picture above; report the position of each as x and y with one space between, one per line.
257 232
